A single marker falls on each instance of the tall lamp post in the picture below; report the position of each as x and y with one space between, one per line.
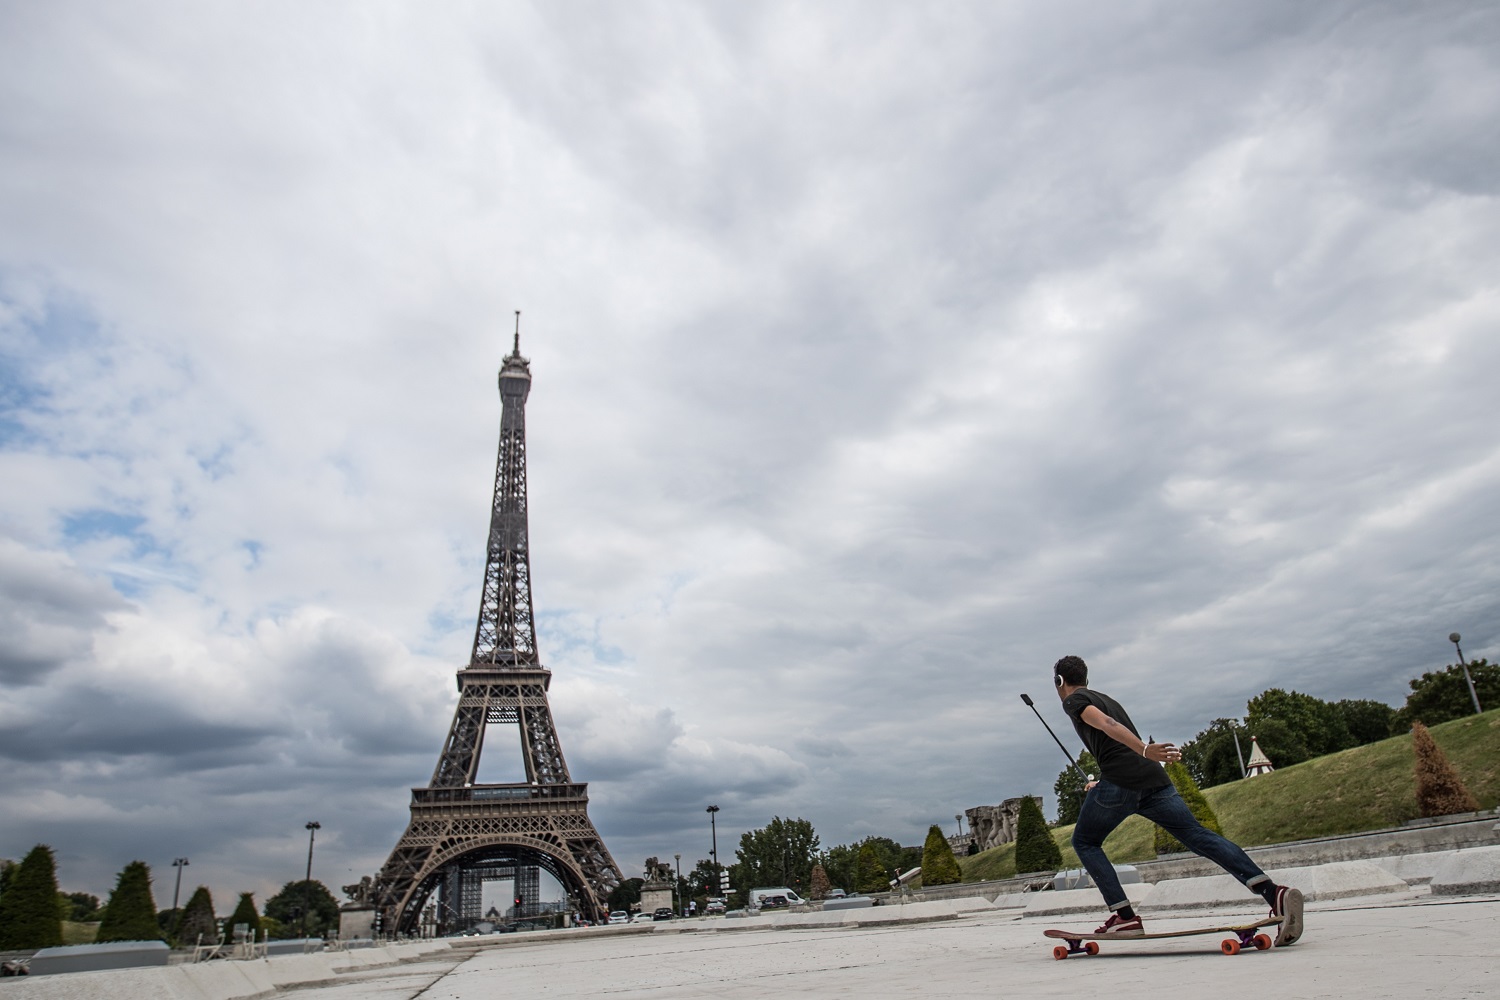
312 831
713 815
677 889
1473 695
179 864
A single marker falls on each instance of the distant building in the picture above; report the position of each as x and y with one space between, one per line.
1259 763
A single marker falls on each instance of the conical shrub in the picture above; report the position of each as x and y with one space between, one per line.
1036 851
29 914
130 914
939 866
244 913
1196 803
197 923
819 885
869 874
1440 791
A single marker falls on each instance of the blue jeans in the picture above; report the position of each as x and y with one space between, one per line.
1108 805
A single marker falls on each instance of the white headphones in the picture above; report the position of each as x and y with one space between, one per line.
1057 679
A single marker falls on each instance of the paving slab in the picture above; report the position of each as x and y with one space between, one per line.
1418 947
1468 873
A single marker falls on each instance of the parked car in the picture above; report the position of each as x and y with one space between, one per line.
835 894
663 913
619 917
639 916
714 906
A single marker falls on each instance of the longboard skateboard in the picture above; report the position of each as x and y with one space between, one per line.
1245 936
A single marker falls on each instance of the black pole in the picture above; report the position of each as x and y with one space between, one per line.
1027 699
1473 695
713 826
312 831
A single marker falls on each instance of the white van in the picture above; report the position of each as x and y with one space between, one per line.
759 898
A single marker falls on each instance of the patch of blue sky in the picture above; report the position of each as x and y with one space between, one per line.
253 549
89 525
29 340
559 630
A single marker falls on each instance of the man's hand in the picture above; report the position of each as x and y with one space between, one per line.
1162 753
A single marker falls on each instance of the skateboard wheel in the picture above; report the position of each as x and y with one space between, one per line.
1092 947
1230 947
1060 953
1262 942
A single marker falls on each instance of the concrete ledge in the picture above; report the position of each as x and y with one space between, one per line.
1469 873
73 958
1048 904
1416 869
1338 880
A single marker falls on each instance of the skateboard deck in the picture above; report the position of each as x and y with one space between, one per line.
1245 936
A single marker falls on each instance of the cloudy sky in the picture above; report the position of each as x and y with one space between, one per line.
883 354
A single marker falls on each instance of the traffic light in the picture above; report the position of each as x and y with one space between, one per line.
518 902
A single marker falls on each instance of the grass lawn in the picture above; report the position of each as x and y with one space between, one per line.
75 933
1366 788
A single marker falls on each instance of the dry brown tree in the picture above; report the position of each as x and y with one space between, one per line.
1440 791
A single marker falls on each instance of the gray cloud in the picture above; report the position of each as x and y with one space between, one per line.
882 356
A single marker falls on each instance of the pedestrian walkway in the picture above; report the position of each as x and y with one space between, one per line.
1368 948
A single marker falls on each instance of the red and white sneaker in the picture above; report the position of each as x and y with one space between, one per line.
1118 926
1288 907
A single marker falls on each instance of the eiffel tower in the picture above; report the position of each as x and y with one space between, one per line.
463 833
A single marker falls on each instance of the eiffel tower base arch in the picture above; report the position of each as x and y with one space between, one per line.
545 827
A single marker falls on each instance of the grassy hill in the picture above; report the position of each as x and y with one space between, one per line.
1367 788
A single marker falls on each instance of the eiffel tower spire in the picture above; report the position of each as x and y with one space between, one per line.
464 832
506 632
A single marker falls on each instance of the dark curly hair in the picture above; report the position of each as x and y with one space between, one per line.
1072 670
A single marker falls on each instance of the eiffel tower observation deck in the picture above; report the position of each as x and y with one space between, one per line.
463 832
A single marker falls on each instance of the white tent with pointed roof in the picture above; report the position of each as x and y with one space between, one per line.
1259 763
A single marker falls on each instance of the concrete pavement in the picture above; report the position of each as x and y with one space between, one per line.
1396 946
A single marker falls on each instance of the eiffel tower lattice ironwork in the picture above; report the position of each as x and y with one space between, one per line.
459 825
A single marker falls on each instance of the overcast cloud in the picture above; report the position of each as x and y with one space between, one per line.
883 354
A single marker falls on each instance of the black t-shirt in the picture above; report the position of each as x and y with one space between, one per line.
1118 764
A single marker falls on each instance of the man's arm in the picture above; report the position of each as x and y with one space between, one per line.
1162 753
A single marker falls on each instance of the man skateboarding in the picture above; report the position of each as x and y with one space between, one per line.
1132 780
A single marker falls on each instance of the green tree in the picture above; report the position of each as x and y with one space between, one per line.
1440 791
840 863
130 914
870 874
781 853
7 872
1036 851
29 914
1212 757
1070 791
1367 721
79 907
197 922
1318 723
626 895
244 913
1443 695
1196 803
939 866
287 905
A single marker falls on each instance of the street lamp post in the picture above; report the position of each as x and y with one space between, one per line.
312 831
677 889
713 815
960 818
179 864
1473 695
